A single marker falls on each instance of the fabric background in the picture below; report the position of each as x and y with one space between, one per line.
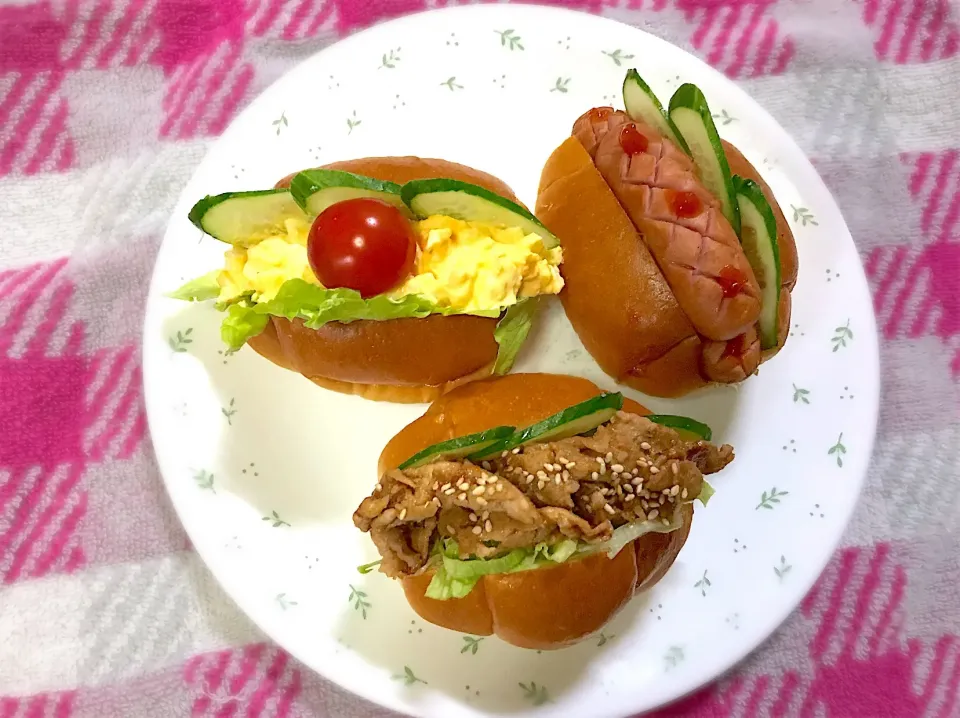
104 609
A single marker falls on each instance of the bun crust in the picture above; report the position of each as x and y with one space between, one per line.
546 608
398 360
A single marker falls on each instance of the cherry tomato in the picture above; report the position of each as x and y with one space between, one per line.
364 244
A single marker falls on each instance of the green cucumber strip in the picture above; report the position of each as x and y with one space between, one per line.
691 116
758 235
682 423
462 200
315 190
244 218
643 106
573 420
458 448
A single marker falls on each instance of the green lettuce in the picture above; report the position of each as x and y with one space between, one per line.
706 491
199 289
511 332
241 323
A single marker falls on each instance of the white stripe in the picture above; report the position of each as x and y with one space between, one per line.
150 45
42 543
26 100
848 601
107 358
926 185
197 99
952 186
254 17
26 486
53 612
141 25
36 314
34 135
230 80
78 28
913 299
900 273
876 605
108 27
933 320
939 694
126 427
106 414
48 485
316 6
59 147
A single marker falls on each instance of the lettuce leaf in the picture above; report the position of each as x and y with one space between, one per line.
511 332
706 491
241 323
199 289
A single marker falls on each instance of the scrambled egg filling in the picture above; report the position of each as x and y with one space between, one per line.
465 266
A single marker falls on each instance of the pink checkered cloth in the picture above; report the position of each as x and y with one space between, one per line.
106 611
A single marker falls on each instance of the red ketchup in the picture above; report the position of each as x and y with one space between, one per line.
684 204
734 347
632 140
598 114
731 281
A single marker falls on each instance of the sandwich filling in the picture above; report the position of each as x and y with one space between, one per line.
536 505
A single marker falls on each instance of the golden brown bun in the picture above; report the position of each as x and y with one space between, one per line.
546 608
619 302
398 360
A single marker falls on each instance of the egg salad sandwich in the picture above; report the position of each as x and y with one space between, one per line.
534 506
394 278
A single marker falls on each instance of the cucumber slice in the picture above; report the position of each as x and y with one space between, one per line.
643 106
691 116
683 424
244 218
459 447
758 235
462 200
315 190
577 419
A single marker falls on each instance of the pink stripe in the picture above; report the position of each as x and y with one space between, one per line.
882 46
65 160
249 661
785 695
136 435
950 46
893 271
40 341
65 705
818 647
756 697
93 27
266 685
873 259
267 19
936 667
326 11
30 295
18 278
66 485
120 32
766 47
296 20
709 16
116 422
886 618
36 707
740 54
119 366
867 590
870 11
722 39
13 97
900 303
228 709
58 545
950 697
211 682
30 118
76 560
920 170
48 139
191 667
75 340
289 694
923 315
233 98
933 27
910 31
8 707
783 59
950 218
214 82
180 92
8 490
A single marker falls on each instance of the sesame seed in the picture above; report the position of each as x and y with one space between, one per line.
445 487
499 487
635 472
620 491
675 490
645 494
652 515
665 491
604 491
666 521
594 476
638 481
490 490
571 464
641 462
462 497
609 509
661 499
436 501
556 479
603 467
628 497
529 478
463 486
566 475
450 492
645 446
541 475
504 454
487 526
654 470
609 457
451 530
516 451
540 484
675 468
403 514
477 491
617 468
549 467
684 494
436 485
486 515
477 530
481 501
473 517
379 486
628 488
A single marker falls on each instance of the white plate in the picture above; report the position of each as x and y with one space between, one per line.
265 468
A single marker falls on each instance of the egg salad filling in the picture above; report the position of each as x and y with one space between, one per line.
461 267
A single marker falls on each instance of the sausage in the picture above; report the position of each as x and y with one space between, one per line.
680 221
